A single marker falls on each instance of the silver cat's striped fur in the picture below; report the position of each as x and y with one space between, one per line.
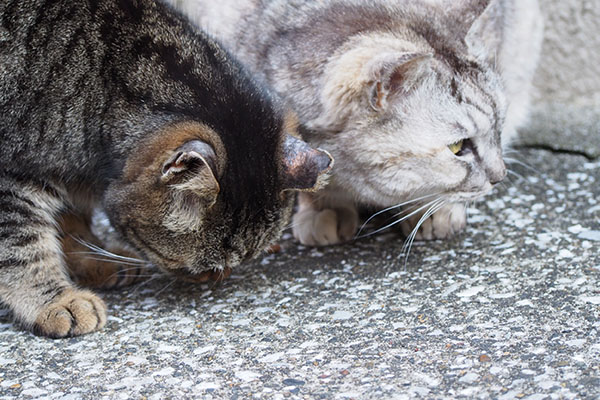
391 88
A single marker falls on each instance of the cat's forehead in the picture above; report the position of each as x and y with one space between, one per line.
477 104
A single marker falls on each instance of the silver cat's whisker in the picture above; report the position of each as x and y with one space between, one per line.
399 205
511 172
404 211
510 151
399 220
392 208
423 218
411 238
406 249
521 163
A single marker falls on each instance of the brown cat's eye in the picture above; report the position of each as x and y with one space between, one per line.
456 147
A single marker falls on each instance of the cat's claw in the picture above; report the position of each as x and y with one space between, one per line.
447 222
74 312
325 227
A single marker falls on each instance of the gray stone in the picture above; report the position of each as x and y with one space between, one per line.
566 111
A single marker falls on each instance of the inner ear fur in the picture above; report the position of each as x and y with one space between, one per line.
191 175
192 170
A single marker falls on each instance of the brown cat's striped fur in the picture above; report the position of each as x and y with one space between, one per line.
123 104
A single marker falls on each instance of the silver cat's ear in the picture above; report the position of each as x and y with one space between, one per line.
486 35
304 168
464 14
395 75
192 169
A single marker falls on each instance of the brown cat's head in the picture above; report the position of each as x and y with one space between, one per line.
194 201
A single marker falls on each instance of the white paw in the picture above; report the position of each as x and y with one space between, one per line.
325 227
445 223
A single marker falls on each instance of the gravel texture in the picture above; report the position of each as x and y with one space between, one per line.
509 309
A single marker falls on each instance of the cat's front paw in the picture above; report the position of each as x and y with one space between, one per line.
448 221
74 312
325 227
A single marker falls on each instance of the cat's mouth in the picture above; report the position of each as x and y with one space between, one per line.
215 275
461 197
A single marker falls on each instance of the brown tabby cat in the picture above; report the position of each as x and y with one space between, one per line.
123 103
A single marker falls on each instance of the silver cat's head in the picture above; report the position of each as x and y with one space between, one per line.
416 110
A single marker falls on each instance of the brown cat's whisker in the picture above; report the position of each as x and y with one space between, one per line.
112 261
168 285
103 252
152 277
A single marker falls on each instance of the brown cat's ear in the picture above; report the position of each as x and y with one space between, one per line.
304 168
192 170
397 75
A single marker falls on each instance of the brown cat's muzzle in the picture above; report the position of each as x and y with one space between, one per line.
203 277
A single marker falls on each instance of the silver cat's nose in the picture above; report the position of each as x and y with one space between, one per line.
497 175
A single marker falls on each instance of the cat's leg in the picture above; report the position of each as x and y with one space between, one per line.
445 223
34 283
319 223
90 263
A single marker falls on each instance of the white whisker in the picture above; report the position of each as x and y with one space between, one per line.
108 260
99 251
102 257
166 287
411 238
511 172
399 220
521 163
146 282
392 208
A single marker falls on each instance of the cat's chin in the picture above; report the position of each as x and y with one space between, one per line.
215 275
465 197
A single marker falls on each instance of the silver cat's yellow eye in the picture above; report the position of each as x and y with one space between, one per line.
456 147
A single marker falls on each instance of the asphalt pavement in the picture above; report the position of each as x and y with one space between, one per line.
509 309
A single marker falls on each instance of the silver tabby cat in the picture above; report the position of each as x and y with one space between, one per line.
413 98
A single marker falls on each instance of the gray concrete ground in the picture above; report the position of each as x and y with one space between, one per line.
509 309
